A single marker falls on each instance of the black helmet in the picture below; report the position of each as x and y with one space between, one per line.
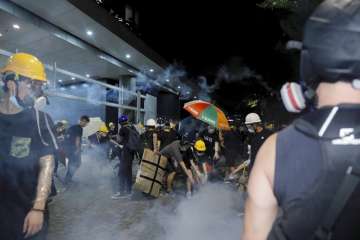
331 45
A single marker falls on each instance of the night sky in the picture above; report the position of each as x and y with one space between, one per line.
205 36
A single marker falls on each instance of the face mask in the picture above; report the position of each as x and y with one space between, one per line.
250 128
15 102
200 153
211 130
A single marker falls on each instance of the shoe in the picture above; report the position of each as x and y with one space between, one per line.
119 195
188 195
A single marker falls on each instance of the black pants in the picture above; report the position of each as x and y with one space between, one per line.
12 218
74 164
125 170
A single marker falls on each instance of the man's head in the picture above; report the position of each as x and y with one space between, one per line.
23 77
253 123
112 126
103 130
84 121
200 147
330 58
185 143
211 129
123 120
150 124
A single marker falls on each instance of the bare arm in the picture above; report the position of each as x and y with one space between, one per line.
261 206
44 181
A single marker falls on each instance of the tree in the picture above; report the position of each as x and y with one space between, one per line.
292 13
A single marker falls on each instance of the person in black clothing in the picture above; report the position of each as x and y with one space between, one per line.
126 159
305 181
26 153
150 137
212 142
180 155
73 147
233 147
258 137
168 135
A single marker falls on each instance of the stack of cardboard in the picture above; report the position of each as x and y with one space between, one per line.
151 173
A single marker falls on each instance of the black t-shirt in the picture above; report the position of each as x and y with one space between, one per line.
124 133
256 141
234 143
148 139
20 151
71 135
210 139
167 137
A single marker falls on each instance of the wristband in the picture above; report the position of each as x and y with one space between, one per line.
38 210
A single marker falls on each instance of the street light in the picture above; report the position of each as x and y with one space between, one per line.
16 26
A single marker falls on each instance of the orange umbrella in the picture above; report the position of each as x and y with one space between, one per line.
208 113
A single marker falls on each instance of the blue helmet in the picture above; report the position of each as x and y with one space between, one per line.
123 119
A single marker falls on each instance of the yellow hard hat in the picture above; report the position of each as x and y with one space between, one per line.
26 65
103 129
200 146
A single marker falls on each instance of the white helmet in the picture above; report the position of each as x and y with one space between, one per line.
150 123
252 118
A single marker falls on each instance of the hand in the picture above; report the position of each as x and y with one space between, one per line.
33 223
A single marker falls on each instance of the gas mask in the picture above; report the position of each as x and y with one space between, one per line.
35 98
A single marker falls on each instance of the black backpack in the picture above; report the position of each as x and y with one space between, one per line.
329 210
134 142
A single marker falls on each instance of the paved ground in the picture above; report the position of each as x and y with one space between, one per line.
86 211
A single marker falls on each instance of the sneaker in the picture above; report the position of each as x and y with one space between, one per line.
119 195
188 195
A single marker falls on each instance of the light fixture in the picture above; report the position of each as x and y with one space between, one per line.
1 35
179 87
87 75
73 78
62 89
60 80
128 56
89 33
195 97
73 87
85 85
16 26
151 70
187 92
167 80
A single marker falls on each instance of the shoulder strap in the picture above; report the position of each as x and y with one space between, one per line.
343 194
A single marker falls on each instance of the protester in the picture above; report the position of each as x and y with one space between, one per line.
168 135
258 135
211 138
305 181
126 156
179 156
150 137
233 148
26 152
73 147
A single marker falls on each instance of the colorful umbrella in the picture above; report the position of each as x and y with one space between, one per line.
208 113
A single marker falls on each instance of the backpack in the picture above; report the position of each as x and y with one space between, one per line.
329 209
134 142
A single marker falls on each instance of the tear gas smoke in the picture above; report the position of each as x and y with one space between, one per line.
87 210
